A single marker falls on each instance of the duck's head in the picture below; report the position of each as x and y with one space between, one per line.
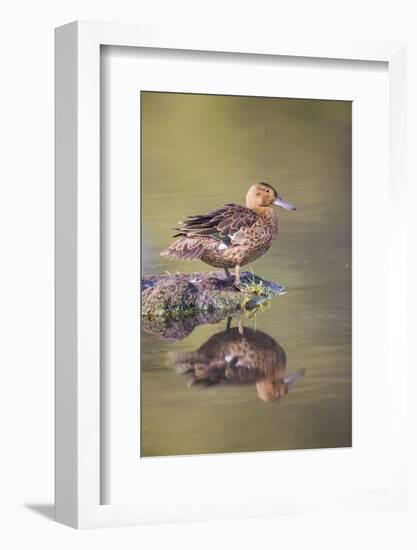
270 388
263 194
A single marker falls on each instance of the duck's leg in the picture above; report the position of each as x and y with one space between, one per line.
229 323
240 326
237 276
227 272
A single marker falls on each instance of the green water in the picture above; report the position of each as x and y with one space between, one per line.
199 152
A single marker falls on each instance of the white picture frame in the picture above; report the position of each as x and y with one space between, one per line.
78 321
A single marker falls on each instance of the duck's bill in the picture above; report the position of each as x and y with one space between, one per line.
287 205
291 379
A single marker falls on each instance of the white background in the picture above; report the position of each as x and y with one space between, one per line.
26 302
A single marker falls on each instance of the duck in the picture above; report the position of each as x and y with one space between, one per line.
239 356
233 235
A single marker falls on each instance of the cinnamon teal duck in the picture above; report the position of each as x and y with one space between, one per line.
233 235
239 356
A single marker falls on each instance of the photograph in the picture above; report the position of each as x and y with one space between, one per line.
246 273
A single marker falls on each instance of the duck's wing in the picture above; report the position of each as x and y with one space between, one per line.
224 224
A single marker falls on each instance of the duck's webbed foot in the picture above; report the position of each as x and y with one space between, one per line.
238 286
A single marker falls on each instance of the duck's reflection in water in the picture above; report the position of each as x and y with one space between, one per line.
239 356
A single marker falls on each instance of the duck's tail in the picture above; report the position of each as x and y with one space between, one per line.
185 248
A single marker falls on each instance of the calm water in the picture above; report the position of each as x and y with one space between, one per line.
199 152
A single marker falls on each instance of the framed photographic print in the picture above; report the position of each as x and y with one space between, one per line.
226 313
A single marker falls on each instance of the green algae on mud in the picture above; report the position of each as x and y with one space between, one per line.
174 304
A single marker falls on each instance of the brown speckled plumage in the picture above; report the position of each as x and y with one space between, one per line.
239 357
232 235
